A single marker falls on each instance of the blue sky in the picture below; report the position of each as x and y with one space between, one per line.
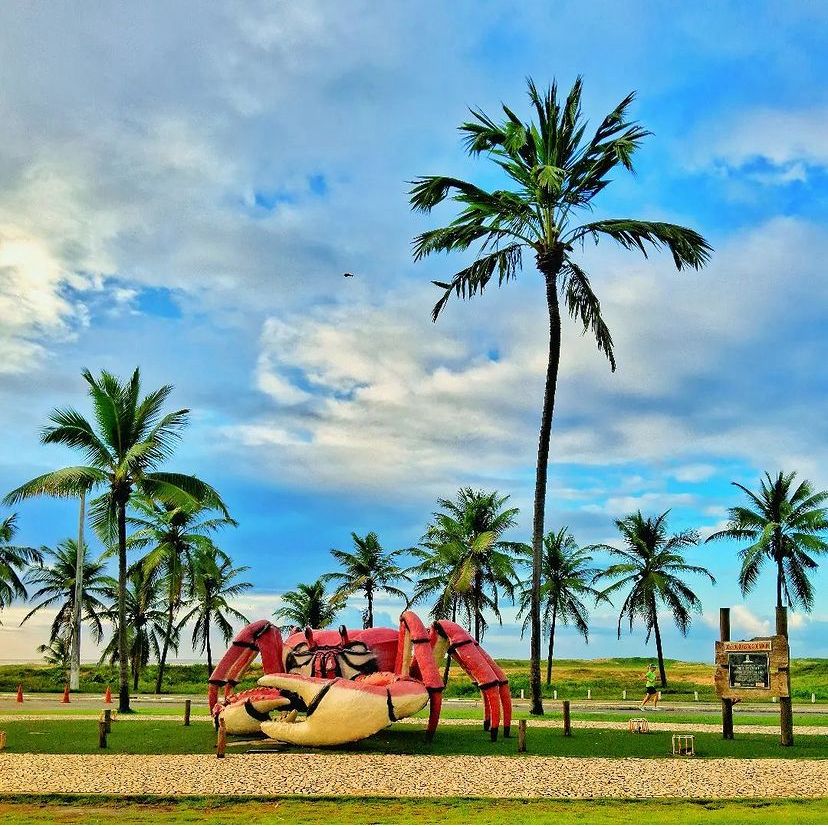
182 187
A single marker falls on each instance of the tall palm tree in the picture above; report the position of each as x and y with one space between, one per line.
145 618
565 580
469 532
308 605
14 563
554 173
366 569
782 524
172 535
132 439
212 586
56 580
651 568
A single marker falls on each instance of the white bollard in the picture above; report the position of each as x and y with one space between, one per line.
624 694
773 699
695 696
555 694
813 697
589 694
522 695
659 696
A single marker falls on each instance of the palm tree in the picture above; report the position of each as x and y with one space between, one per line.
173 535
55 582
308 605
782 524
650 569
566 576
212 587
465 539
133 438
57 652
145 618
14 563
555 174
367 569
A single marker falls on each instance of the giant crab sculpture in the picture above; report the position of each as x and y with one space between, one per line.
333 687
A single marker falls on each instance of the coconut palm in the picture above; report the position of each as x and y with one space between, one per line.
308 605
57 652
145 618
565 581
650 571
172 535
782 524
55 579
132 439
554 173
212 586
366 569
14 563
466 538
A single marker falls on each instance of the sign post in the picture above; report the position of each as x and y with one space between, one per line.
754 669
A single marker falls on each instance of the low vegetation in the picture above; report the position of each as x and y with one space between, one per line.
149 809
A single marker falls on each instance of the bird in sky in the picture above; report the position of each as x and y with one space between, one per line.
348 275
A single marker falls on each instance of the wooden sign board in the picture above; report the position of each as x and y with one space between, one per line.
752 669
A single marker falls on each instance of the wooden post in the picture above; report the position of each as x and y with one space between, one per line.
566 719
108 720
187 705
727 703
522 735
2 740
786 738
101 734
221 742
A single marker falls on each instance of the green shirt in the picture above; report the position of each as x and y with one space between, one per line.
651 676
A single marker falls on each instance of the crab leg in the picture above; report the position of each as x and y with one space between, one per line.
415 640
259 637
487 675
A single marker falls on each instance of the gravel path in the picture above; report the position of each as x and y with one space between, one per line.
655 724
415 776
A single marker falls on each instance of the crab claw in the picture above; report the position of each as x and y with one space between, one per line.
339 711
247 710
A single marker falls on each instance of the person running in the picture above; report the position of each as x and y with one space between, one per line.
650 691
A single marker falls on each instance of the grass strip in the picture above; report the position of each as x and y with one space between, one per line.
349 810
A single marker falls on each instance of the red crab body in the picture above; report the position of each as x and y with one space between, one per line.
333 687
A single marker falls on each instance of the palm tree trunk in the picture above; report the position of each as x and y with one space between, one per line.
369 621
448 656
165 648
551 646
74 668
659 651
780 577
207 636
549 265
123 655
478 589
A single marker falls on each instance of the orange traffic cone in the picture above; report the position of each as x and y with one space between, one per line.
65 694
20 693
108 696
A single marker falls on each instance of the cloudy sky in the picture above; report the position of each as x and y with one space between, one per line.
183 185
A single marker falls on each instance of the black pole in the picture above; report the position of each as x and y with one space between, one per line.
727 703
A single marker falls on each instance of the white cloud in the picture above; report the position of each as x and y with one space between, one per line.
787 143
696 472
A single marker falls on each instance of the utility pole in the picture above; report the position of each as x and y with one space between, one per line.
74 664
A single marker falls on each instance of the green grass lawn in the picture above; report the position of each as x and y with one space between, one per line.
167 737
106 810
605 677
